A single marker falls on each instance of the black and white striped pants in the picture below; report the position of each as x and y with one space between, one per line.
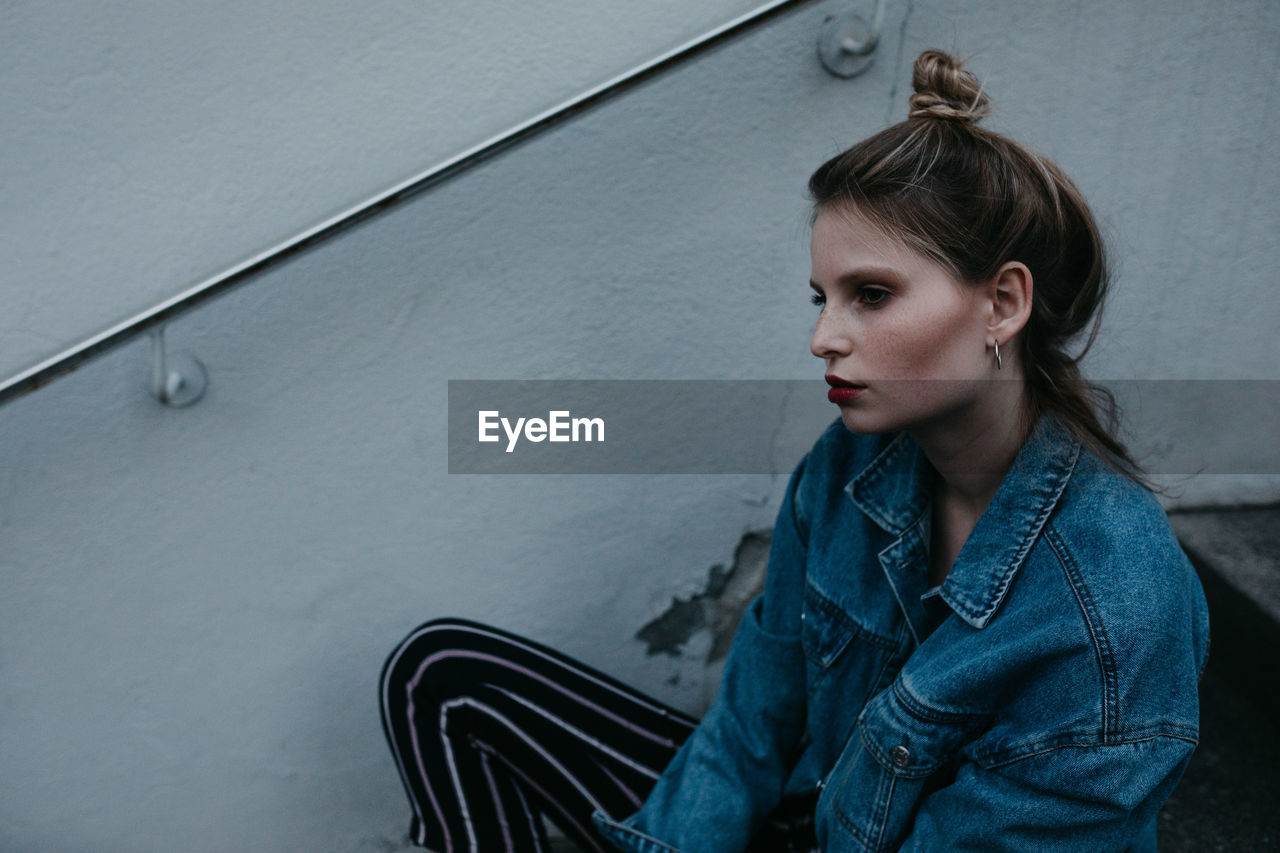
490 731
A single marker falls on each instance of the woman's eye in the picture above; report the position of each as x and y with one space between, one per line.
817 299
873 296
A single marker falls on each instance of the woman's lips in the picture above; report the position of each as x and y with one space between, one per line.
842 390
844 393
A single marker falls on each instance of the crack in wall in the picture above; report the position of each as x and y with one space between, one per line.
717 608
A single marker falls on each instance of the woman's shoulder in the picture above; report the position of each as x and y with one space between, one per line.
1107 621
1111 543
1111 522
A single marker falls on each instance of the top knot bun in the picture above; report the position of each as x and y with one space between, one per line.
945 90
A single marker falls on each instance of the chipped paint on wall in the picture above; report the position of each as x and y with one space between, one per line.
717 608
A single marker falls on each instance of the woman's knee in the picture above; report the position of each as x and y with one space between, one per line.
439 639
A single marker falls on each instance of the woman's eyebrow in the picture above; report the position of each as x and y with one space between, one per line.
885 274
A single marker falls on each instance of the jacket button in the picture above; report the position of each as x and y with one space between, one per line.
900 756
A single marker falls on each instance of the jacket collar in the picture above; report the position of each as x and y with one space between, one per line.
893 490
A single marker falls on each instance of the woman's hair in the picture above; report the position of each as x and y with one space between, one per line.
971 200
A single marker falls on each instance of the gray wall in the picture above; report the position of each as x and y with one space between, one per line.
196 602
150 144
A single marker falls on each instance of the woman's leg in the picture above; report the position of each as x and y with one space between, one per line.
489 729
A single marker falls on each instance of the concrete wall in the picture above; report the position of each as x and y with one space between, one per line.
196 602
150 144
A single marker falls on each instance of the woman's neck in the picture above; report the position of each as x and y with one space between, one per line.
971 451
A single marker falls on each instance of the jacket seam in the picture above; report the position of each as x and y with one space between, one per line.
1097 632
891 659
993 600
883 808
1031 751
852 828
871 835
926 714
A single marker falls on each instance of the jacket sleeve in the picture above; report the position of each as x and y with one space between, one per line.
1090 799
732 769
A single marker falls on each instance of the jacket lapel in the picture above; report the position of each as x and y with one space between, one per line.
893 490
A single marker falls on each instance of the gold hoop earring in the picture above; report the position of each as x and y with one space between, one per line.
998 355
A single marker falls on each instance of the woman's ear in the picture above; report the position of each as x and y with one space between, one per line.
1010 291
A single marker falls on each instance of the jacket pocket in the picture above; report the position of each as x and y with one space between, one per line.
827 631
845 664
901 750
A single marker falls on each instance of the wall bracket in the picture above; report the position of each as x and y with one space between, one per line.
177 380
847 44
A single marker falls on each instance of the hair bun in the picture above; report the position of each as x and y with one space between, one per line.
945 90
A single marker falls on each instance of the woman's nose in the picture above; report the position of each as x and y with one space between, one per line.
829 339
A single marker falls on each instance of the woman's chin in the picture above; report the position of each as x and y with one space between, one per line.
859 421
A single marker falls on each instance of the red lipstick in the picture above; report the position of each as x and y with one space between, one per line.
842 390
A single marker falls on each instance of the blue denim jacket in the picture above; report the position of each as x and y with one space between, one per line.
1043 698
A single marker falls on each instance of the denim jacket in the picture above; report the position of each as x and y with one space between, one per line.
1043 698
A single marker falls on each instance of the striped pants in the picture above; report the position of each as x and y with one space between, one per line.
491 732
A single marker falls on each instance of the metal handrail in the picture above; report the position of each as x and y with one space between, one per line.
66 361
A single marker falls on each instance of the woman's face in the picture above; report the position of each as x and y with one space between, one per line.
896 323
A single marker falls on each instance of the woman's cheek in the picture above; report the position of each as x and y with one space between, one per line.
941 346
900 353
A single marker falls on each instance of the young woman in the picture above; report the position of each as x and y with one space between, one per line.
977 632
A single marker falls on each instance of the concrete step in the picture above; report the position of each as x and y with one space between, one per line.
1237 554
1229 798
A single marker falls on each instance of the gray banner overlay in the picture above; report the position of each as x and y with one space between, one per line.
1171 427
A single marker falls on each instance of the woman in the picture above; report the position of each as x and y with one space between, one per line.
977 632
